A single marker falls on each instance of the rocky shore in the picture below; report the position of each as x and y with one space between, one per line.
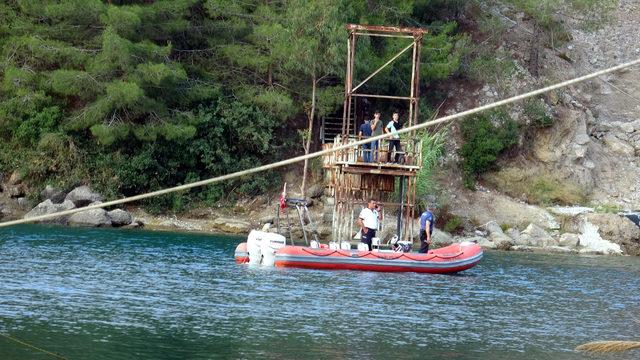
502 223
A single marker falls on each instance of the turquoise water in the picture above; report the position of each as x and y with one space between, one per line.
126 294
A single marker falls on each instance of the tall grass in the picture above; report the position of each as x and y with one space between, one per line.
432 152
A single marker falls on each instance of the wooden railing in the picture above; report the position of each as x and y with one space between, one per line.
410 154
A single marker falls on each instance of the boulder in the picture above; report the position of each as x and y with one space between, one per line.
617 229
569 239
119 217
48 207
231 226
134 225
497 236
14 191
315 191
441 238
536 236
83 196
592 243
482 241
561 250
53 194
493 227
490 206
618 146
23 203
93 217
266 219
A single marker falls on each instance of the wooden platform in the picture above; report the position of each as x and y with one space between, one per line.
378 168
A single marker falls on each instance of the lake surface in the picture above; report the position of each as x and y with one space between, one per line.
128 294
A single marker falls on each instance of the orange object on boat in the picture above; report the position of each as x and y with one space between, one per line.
450 259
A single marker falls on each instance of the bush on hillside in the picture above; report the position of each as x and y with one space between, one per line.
485 137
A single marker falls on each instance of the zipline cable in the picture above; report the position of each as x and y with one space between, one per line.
57 356
326 151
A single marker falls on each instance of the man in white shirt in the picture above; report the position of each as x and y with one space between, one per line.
368 222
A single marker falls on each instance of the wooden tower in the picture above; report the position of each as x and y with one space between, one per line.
353 181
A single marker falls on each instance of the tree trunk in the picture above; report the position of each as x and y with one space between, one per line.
534 52
307 145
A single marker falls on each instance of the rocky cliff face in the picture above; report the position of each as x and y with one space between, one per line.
593 145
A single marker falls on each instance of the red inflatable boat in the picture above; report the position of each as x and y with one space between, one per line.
450 259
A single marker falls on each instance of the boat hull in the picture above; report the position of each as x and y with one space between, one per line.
450 259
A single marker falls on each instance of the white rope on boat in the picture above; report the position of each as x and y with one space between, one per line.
324 152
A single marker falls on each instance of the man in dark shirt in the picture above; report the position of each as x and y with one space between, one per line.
365 132
426 228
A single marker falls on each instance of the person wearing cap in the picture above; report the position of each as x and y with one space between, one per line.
368 222
426 228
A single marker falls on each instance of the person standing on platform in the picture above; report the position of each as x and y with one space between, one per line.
426 228
365 132
394 142
376 130
368 221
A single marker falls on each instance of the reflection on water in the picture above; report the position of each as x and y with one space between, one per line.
107 294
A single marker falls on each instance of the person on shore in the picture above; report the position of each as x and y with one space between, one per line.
365 132
426 228
392 128
368 221
376 128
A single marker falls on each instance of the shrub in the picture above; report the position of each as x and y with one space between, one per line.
29 131
608 208
447 221
454 225
485 137
536 112
432 151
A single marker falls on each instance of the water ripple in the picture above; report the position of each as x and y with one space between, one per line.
104 294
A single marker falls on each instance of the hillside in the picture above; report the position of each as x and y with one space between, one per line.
150 94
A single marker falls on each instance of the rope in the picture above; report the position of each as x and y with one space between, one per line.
32 347
323 253
314 252
326 151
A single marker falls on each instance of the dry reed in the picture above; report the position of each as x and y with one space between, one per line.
608 346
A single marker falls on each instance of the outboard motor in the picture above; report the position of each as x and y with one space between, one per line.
262 247
271 243
400 246
254 246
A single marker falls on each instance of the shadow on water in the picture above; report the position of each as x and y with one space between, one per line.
105 294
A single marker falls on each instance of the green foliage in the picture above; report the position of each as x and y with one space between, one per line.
536 112
607 208
29 131
443 51
491 67
73 83
133 95
453 225
43 54
107 135
18 81
485 137
432 151
123 20
593 13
